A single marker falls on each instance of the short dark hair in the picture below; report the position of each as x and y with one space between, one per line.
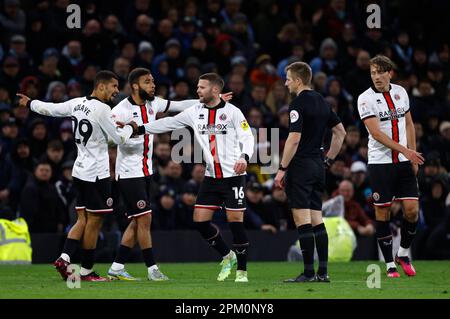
214 79
56 145
104 77
301 70
382 63
133 77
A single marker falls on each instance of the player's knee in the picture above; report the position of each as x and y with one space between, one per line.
411 214
143 221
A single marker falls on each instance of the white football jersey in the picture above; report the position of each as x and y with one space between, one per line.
219 131
92 124
390 109
134 158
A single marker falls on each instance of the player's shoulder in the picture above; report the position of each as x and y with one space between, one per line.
398 89
232 109
367 93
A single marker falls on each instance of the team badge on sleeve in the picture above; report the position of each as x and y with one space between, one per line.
294 116
244 125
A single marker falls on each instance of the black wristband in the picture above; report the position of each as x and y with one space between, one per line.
246 157
29 104
328 162
281 168
141 130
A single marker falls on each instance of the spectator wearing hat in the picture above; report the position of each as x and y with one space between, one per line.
164 32
30 87
10 133
164 215
186 32
144 56
18 48
242 33
5 113
297 54
361 187
361 224
200 49
10 75
257 216
66 191
9 183
48 69
264 72
12 18
38 137
45 213
327 59
174 60
424 101
185 206
442 144
431 170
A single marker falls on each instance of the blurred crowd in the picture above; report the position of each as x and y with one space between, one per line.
247 42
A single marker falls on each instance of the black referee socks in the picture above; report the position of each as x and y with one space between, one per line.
240 244
306 238
321 238
212 235
384 237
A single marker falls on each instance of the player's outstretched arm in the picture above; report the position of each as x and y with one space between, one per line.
180 106
106 122
166 124
373 127
44 108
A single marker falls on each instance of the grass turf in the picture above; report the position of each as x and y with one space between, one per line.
198 280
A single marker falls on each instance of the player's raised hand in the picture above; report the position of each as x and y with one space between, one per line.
240 166
23 101
414 157
226 96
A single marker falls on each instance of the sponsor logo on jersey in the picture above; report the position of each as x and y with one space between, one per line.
379 101
212 129
294 116
391 114
223 117
201 117
244 125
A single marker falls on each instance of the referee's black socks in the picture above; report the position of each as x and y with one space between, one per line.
306 238
240 244
384 237
321 238
212 235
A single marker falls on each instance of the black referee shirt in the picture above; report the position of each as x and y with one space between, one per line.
310 115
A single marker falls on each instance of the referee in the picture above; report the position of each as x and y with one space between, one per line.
304 167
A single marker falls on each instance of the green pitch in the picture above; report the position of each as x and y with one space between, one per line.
198 280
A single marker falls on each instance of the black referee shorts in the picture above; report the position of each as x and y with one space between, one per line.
305 183
134 192
392 182
95 197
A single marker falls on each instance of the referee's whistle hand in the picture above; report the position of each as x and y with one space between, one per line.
279 179
240 166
